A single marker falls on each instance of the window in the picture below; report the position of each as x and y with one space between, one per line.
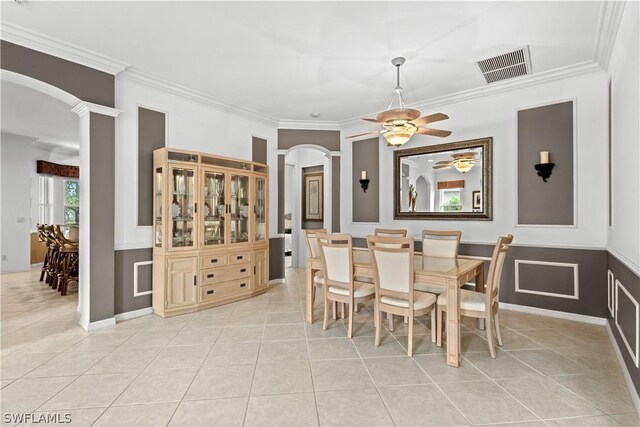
71 202
450 200
45 199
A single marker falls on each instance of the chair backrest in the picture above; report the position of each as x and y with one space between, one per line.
392 259
495 269
442 244
311 236
336 252
390 232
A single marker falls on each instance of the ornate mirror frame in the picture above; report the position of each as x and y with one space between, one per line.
487 181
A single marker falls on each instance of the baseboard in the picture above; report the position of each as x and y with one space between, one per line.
92 326
635 398
552 313
37 264
276 281
133 314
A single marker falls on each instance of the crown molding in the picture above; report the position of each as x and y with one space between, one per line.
45 44
194 95
309 124
570 71
608 24
88 107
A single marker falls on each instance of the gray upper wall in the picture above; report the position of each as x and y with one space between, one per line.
288 138
259 150
547 128
151 136
365 157
83 82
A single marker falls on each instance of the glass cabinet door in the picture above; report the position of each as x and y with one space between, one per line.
158 203
182 209
239 215
214 208
260 209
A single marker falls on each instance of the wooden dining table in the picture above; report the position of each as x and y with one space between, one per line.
451 273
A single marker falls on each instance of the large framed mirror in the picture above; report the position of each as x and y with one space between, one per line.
446 181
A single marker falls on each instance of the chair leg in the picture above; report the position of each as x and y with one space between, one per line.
355 308
335 310
390 319
350 332
406 320
434 325
440 325
489 327
378 326
326 314
496 322
410 336
313 294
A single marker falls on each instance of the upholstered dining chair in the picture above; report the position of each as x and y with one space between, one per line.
442 244
482 305
336 251
392 259
313 250
390 232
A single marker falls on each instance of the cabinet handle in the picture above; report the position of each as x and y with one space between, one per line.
214 260
210 292
254 269
243 270
239 257
243 285
210 276
195 280
195 208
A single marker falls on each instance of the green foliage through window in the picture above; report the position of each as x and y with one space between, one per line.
71 202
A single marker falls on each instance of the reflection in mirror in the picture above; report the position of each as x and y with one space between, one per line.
444 181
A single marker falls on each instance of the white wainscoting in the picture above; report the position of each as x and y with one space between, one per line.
633 352
137 265
611 293
576 282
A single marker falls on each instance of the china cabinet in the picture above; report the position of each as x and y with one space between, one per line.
210 228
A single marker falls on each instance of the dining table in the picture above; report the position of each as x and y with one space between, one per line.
451 273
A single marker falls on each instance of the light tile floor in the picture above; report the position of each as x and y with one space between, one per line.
256 363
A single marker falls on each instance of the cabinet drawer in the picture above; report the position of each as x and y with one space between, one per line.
223 274
239 257
208 261
222 290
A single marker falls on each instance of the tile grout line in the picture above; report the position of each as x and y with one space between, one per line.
306 335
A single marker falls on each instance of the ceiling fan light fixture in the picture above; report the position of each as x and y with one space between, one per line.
463 166
398 137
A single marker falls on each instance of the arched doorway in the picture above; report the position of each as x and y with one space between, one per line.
423 188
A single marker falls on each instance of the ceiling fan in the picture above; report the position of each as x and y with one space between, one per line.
400 124
463 162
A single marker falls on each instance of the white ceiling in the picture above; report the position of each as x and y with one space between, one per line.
289 59
48 121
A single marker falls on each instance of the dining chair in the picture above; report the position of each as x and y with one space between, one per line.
441 244
340 285
313 250
392 259
390 232
482 305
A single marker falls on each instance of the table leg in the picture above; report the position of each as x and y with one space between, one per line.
309 292
480 288
453 323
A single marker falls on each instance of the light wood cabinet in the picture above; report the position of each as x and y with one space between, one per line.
210 230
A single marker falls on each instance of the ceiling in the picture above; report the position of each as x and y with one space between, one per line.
290 59
46 120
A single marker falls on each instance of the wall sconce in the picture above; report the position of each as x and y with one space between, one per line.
364 181
544 167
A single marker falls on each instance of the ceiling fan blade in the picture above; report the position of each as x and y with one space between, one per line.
466 155
430 119
444 162
363 134
373 121
434 132
441 166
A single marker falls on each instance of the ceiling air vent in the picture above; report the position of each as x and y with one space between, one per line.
506 66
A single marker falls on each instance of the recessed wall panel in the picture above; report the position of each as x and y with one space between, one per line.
547 128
